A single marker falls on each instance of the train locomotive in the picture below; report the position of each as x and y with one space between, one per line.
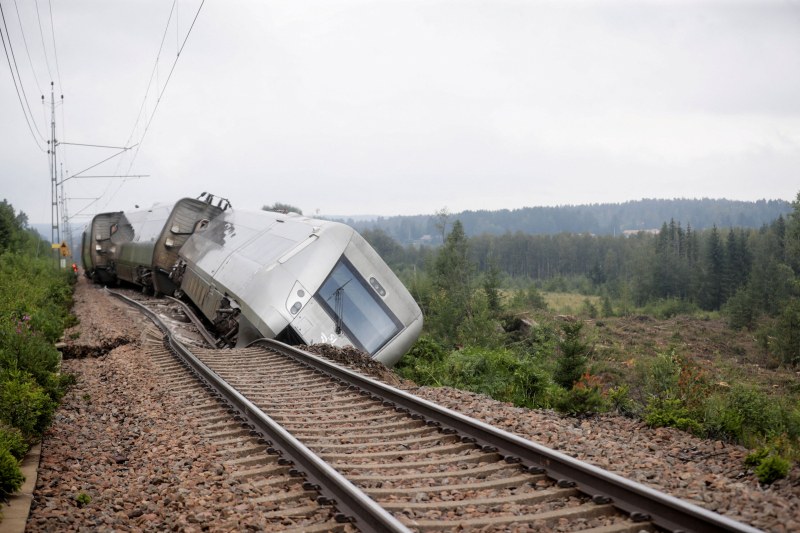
263 274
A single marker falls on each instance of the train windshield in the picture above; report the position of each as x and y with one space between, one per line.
356 309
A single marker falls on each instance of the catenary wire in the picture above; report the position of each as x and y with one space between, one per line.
27 50
17 88
41 34
144 102
55 49
19 77
158 100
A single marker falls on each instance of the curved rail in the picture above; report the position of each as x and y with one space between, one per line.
336 490
196 321
640 502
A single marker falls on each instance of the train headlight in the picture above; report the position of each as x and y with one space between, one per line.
298 297
377 286
169 243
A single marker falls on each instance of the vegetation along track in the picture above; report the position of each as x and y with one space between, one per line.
428 468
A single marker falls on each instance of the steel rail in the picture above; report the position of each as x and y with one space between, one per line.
640 502
353 504
196 321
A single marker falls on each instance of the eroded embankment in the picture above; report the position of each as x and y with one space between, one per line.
84 351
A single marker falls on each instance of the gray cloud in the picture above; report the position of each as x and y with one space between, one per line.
403 107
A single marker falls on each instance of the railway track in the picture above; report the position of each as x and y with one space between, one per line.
353 453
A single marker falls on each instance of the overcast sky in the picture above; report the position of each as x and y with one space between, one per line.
404 106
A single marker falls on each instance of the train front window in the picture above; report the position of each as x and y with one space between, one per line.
355 308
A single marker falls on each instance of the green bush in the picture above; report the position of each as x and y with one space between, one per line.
24 404
745 415
83 499
12 440
658 376
422 364
772 468
670 412
531 384
11 478
620 401
489 372
755 458
26 350
480 327
584 398
500 373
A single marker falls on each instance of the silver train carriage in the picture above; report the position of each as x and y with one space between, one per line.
97 249
260 274
141 247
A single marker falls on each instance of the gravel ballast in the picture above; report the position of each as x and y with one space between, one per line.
120 439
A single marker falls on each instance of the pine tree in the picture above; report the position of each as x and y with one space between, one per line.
491 286
452 280
572 357
792 237
713 265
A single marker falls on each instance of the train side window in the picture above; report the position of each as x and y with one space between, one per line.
201 225
114 228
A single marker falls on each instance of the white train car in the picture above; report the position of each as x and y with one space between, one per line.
260 274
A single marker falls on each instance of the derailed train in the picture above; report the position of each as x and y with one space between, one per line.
255 274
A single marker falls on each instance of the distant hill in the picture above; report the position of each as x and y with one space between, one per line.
598 219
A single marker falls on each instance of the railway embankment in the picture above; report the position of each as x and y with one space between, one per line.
122 455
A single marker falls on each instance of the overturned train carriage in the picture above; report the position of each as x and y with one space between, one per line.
141 247
300 280
135 241
98 250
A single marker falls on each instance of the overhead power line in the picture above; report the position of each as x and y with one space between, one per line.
152 74
163 89
41 34
18 86
27 50
55 48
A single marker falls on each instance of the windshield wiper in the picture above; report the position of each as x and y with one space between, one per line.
338 306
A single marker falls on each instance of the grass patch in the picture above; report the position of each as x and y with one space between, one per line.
567 303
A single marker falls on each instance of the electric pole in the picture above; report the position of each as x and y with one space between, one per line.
55 236
55 230
65 225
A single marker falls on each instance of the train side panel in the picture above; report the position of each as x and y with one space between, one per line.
99 263
86 251
188 215
135 239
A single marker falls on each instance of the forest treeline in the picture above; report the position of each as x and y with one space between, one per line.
747 272
597 219
488 328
